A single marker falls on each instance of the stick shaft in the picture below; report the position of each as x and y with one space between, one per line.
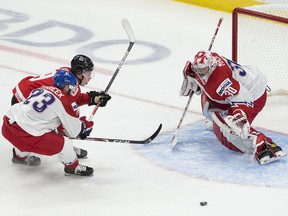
216 31
131 36
174 139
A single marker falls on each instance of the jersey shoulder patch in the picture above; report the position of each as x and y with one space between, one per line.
226 88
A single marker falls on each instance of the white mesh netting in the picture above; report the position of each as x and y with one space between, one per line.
263 42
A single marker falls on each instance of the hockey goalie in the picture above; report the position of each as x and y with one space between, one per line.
232 96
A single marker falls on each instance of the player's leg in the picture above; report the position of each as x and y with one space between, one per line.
52 143
262 149
70 160
21 151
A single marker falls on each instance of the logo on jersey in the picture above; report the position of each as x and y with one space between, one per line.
75 107
246 103
225 88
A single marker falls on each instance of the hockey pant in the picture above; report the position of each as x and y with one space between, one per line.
48 144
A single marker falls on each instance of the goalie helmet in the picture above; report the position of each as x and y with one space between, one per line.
204 63
64 77
81 63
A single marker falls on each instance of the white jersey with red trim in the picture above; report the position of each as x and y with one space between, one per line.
231 83
44 110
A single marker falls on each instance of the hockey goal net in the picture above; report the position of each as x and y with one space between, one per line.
260 38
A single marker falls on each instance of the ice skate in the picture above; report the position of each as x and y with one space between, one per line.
29 161
268 152
80 170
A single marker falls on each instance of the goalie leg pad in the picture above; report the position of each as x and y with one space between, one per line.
229 139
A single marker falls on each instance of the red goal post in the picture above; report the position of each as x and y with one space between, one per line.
260 38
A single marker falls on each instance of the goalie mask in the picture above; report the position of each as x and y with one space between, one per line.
204 64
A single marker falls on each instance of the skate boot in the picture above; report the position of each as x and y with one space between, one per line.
80 170
81 153
30 160
267 152
275 149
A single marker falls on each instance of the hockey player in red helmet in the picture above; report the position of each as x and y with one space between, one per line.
232 96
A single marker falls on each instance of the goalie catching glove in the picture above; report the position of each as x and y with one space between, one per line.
98 97
238 123
86 128
189 82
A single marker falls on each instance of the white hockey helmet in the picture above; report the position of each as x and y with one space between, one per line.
204 63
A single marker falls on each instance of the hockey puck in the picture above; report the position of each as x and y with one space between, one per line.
203 203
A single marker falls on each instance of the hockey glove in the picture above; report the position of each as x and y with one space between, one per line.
86 129
189 82
98 97
238 123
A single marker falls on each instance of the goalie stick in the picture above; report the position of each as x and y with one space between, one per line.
131 36
127 141
174 138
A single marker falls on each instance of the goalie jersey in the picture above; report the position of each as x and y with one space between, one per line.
233 85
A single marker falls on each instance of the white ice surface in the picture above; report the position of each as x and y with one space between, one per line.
143 96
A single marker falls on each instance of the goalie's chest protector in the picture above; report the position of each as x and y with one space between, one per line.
220 85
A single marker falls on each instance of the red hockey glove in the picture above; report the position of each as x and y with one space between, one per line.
86 129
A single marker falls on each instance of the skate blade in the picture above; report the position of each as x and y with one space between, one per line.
270 160
83 157
69 174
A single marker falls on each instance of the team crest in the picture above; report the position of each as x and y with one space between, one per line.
225 88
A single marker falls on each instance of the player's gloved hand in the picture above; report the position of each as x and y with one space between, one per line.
238 123
98 97
189 82
86 129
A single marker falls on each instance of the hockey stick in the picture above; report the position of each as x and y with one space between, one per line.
127 141
174 138
131 36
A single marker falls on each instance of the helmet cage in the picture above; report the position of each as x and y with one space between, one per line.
204 63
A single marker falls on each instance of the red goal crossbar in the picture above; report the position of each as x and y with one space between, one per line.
251 13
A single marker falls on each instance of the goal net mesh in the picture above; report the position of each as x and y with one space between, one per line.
260 38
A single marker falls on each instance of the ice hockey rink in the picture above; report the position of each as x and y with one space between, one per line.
132 180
